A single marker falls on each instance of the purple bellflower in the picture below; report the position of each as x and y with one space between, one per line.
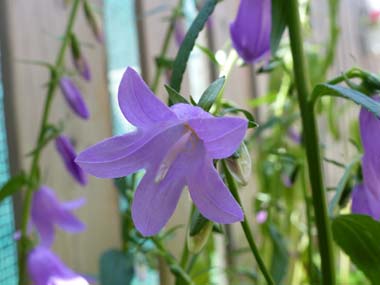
45 268
47 211
73 97
176 147
68 154
250 32
366 196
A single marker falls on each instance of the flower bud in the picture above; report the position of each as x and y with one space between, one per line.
197 242
73 97
67 152
240 165
79 60
250 32
94 22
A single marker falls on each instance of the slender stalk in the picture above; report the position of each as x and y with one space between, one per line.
33 174
247 231
311 144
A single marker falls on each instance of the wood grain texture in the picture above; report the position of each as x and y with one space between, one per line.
33 30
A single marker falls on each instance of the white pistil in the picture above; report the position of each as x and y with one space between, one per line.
170 157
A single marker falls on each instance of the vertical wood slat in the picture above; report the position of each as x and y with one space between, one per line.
32 33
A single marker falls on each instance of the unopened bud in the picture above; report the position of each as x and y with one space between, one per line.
240 165
94 22
197 242
79 60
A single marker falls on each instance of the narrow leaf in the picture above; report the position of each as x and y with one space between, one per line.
358 236
211 93
12 186
188 43
280 255
174 96
116 268
355 96
278 24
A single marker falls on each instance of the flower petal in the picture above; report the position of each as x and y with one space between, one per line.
73 205
45 230
221 136
370 169
364 203
212 198
370 131
122 155
68 222
138 103
186 112
154 203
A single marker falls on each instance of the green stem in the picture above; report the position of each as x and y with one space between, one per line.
308 224
247 231
33 174
311 144
174 267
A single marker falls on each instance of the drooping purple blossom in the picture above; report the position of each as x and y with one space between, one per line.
366 196
48 211
176 146
45 268
73 97
250 32
68 155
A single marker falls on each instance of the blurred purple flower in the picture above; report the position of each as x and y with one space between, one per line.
179 33
45 268
294 136
47 211
68 155
250 32
176 146
82 67
73 97
261 216
366 197
286 180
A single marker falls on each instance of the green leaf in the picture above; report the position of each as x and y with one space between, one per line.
209 53
174 96
342 184
13 185
355 96
251 120
211 93
278 23
280 255
358 236
188 43
164 62
116 268
198 222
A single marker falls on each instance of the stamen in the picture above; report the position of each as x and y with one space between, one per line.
172 154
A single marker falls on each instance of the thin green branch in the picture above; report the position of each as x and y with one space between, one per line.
311 143
34 170
246 228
